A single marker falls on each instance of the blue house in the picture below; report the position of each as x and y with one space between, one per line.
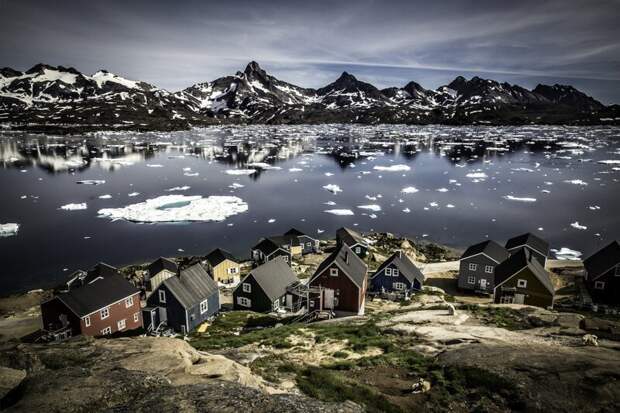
189 299
397 274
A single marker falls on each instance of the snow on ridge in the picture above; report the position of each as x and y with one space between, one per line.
102 77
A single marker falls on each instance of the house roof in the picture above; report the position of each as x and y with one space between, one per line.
218 255
405 266
530 240
192 286
489 248
348 261
80 278
161 264
98 294
273 277
603 260
294 231
516 262
349 237
267 246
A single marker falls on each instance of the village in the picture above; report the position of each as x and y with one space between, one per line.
301 301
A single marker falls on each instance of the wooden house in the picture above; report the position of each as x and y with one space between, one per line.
223 266
266 250
521 279
341 280
158 271
352 239
106 305
267 288
302 243
189 299
477 266
397 274
538 247
80 278
602 275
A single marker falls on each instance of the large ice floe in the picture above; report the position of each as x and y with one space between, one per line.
392 168
9 229
74 207
178 208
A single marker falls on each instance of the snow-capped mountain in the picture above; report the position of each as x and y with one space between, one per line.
49 98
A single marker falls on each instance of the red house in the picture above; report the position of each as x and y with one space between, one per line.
339 284
103 306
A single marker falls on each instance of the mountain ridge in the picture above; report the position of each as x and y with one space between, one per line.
63 99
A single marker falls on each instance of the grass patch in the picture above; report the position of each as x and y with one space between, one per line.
358 336
507 318
340 355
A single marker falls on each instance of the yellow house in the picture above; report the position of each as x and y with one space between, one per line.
158 271
223 266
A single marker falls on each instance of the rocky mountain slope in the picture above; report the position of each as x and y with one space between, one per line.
63 99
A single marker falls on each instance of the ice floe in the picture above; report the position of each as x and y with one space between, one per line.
179 188
178 208
106 196
577 225
565 253
610 162
519 199
9 229
342 212
132 194
576 182
236 185
74 207
263 165
334 189
477 175
191 174
154 165
392 168
240 171
442 190
295 169
409 190
371 207
91 182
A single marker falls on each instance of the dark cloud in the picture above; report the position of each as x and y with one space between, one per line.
176 43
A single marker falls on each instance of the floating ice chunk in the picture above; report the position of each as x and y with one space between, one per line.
106 196
545 191
328 174
91 182
236 185
320 231
372 207
330 203
433 204
519 199
263 165
132 194
409 190
188 169
477 175
342 212
577 225
406 210
179 208
576 182
240 171
392 168
594 207
442 190
332 188
179 188
522 169
295 169
540 228
610 162
372 216
74 207
449 206
154 165
271 220
9 229
566 254
191 174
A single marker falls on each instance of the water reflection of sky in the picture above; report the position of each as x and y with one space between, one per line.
40 174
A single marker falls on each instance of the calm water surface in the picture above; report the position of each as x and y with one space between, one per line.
471 183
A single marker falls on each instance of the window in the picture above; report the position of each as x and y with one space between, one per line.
106 331
312 303
136 317
162 296
129 302
522 283
244 302
204 306
276 304
285 258
398 286
333 272
471 280
358 250
121 324
488 269
308 244
395 272
246 287
87 321
336 301
599 285
473 267
104 313
233 270
388 272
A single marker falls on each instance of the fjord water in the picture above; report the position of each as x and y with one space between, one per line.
471 183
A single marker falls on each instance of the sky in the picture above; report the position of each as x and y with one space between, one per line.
174 44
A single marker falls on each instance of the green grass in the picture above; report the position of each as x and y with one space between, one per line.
507 318
359 336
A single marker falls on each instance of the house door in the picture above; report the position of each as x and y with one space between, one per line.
483 284
519 298
506 299
289 300
329 299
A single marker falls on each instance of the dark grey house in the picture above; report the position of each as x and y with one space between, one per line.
477 266
602 275
353 240
266 250
306 243
536 245
189 298
269 287
397 274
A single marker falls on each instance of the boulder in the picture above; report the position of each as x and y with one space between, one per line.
10 380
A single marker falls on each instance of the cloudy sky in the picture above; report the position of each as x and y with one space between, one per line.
174 44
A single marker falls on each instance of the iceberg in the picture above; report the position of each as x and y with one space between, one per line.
409 190
178 208
106 196
392 168
577 225
334 189
240 171
519 199
74 207
477 175
179 188
372 207
576 182
91 182
342 212
9 229
263 165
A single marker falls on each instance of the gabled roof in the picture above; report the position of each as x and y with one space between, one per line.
80 278
405 266
489 248
267 246
603 260
518 261
98 294
350 237
294 231
349 263
218 255
192 286
161 264
273 277
530 240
